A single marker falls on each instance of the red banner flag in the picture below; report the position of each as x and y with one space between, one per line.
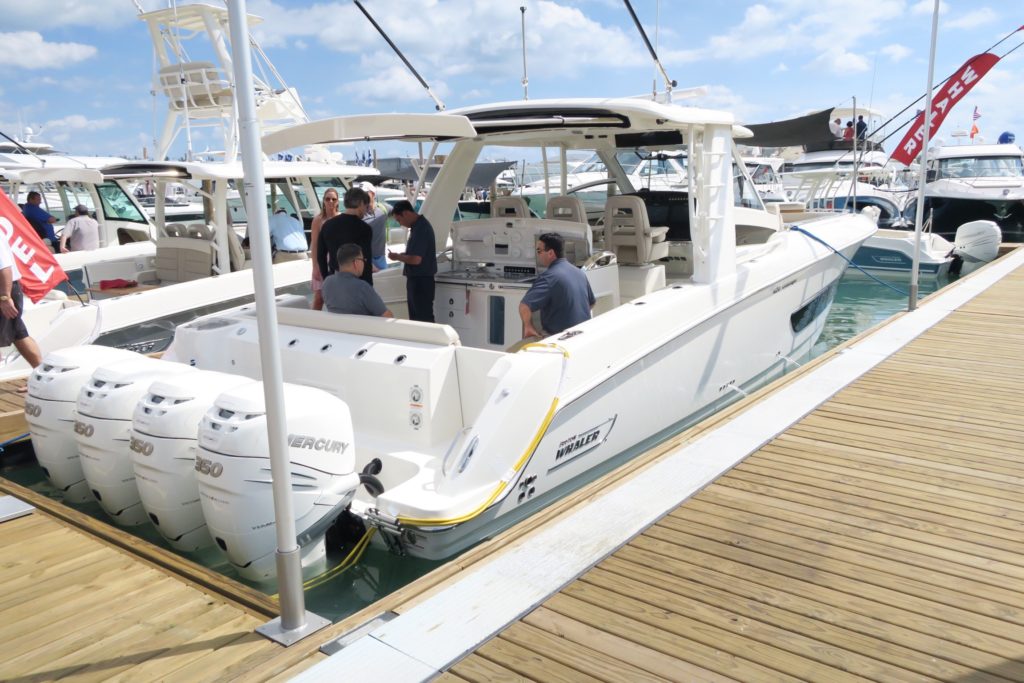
958 85
38 266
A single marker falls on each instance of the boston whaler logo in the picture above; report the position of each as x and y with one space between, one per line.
581 443
313 443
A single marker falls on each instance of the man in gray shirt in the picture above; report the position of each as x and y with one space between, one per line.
377 219
82 231
346 292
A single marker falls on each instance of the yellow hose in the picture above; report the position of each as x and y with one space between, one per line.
353 556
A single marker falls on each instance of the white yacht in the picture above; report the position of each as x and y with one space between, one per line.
435 434
975 182
188 270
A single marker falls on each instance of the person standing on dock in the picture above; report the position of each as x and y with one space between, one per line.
420 259
12 327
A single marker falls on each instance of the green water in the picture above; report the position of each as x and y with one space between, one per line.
860 303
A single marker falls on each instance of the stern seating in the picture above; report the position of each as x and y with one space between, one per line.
180 259
510 207
370 326
629 234
175 230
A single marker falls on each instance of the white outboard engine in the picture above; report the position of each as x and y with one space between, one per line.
233 469
977 243
105 407
50 412
163 450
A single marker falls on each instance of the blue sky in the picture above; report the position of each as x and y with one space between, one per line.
81 72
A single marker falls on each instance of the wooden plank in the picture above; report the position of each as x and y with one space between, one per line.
749 666
477 669
652 662
593 664
527 663
907 629
784 646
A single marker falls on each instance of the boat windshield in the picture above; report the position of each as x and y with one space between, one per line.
981 167
118 205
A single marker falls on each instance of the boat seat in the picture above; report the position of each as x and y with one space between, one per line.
564 208
370 326
200 232
181 259
628 232
510 207
194 86
235 251
175 230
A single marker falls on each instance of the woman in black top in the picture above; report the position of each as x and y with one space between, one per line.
344 228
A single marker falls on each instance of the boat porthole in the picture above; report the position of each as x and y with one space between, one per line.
241 331
325 347
400 359
677 286
293 342
639 303
360 353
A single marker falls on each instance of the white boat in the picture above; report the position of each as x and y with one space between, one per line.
975 182
434 434
188 271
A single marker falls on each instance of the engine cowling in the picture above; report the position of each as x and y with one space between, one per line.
105 407
50 411
977 241
164 429
234 474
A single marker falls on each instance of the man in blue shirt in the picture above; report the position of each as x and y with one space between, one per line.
561 293
420 259
41 221
287 237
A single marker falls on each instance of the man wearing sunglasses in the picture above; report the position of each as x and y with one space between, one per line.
346 292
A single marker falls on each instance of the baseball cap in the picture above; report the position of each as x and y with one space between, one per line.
367 187
82 210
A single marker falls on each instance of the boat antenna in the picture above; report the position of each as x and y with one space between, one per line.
438 104
526 80
669 83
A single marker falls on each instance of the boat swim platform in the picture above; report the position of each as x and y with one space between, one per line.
821 556
858 520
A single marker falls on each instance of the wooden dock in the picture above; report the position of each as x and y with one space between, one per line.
874 539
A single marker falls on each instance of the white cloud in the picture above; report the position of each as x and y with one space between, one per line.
972 19
28 50
51 14
896 52
926 7
842 62
74 126
781 68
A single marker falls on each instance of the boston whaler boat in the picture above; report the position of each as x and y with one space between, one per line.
435 435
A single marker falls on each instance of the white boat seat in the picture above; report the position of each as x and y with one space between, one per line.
564 208
200 232
370 326
181 259
629 234
175 230
235 251
509 207
194 85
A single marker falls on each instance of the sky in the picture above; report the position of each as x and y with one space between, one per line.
81 73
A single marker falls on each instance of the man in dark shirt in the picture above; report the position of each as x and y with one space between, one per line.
420 259
40 220
345 292
561 293
347 227
862 128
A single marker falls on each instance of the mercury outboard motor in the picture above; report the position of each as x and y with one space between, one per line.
976 243
163 449
233 470
50 412
105 407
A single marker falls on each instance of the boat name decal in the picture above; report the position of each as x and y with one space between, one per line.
779 288
581 443
313 443
141 446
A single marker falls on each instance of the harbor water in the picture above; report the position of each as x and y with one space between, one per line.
860 303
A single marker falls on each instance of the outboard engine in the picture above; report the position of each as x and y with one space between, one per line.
50 412
233 469
105 406
976 244
163 450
